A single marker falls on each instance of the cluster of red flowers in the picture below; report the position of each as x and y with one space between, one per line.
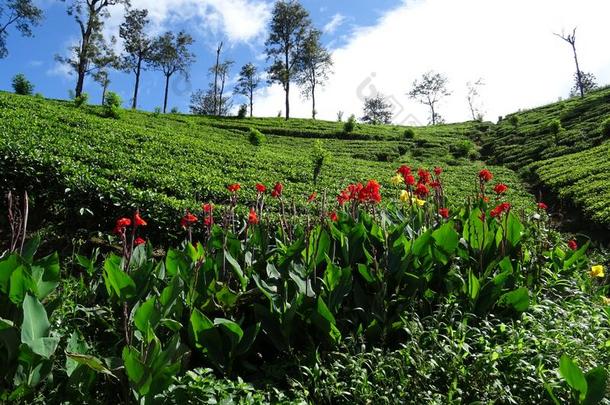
277 190
500 188
370 193
252 217
499 210
573 245
234 188
485 176
543 206
405 172
123 223
444 212
188 220
208 217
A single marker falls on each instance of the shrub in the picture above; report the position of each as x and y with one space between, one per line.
340 116
112 105
350 124
514 120
320 155
605 128
554 127
175 110
462 149
157 111
256 137
409 133
39 95
243 111
81 100
22 86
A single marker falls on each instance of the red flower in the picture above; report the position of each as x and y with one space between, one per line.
543 206
485 175
333 216
277 190
312 197
139 241
424 176
438 171
500 188
208 221
138 221
444 212
188 220
252 217
207 208
370 192
404 171
435 184
409 180
422 191
499 210
343 198
234 188
261 188
573 245
123 223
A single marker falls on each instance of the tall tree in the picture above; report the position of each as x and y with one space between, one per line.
137 46
473 96
377 110
248 82
103 79
216 70
315 65
203 102
429 91
223 73
571 39
23 14
93 52
171 54
588 81
290 23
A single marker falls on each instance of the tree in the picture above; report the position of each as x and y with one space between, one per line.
429 91
589 83
223 103
315 64
93 52
248 82
571 39
103 79
137 46
216 70
23 14
204 102
170 54
377 110
473 96
22 86
290 23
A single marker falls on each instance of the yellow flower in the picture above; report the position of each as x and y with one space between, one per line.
606 300
397 180
597 271
418 202
404 196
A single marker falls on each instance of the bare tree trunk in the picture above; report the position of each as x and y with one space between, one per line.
474 117
433 113
82 67
166 91
221 94
104 90
313 100
216 107
251 101
287 84
578 72
134 104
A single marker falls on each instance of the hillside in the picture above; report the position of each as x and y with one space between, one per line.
75 161
563 148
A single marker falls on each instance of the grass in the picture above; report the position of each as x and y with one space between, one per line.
77 162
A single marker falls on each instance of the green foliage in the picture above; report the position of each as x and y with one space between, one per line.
243 111
256 138
409 133
462 149
174 110
112 105
319 157
350 124
605 128
81 100
554 126
22 86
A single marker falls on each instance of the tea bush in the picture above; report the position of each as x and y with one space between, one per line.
22 86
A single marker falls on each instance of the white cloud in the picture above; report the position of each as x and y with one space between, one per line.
509 43
334 23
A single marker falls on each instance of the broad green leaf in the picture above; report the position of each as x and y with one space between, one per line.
147 315
420 247
76 345
118 282
446 237
473 286
236 269
175 262
7 266
21 283
514 229
46 275
332 276
573 376
325 320
92 362
597 380
365 273
518 299
136 370
575 256
35 328
235 331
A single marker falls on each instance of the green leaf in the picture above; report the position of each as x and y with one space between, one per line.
147 315
76 345
35 328
235 331
21 283
7 266
575 256
325 320
46 275
420 247
446 237
135 369
175 262
332 276
92 362
473 286
236 269
514 229
518 299
597 380
117 281
365 273
573 376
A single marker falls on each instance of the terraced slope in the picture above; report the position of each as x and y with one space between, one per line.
74 161
562 147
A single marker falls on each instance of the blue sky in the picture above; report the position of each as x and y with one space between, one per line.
378 46
35 56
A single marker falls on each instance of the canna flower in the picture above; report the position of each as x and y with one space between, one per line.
139 241
499 210
277 190
500 188
208 221
404 171
485 175
404 196
573 245
424 176
438 171
207 208
397 180
343 198
444 212
418 202
606 300
121 224
188 220
333 216
410 180
234 188
312 197
252 217
435 184
261 188
138 221
422 191
370 193
543 206
597 271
